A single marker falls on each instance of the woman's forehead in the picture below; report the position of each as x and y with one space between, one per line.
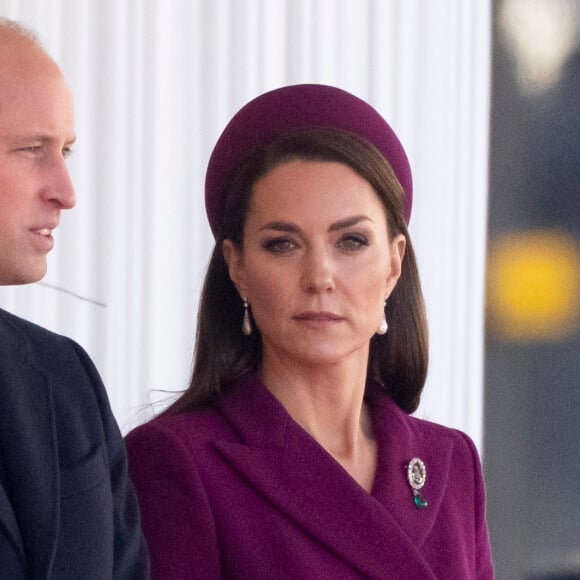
328 191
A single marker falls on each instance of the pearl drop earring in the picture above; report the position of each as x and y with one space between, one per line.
383 327
246 324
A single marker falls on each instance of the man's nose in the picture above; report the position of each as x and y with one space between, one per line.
61 188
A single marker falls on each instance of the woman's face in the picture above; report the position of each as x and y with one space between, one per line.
316 264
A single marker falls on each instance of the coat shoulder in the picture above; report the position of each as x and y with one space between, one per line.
46 346
413 432
186 433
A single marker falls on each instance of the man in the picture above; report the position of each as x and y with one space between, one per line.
67 507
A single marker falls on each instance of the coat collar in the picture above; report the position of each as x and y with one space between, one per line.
28 424
379 534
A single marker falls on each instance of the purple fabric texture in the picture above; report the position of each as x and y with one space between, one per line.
297 107
244 492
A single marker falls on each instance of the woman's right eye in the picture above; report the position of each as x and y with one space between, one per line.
279 245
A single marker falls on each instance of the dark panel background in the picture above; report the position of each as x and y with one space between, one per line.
532 411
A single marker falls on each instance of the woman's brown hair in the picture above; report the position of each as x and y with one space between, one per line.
397 360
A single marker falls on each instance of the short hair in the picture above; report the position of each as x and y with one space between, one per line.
397 360
8 25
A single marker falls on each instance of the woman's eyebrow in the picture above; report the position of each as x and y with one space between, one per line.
348 222
292 228
281 227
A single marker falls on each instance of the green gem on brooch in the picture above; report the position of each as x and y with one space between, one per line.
416 476
419 500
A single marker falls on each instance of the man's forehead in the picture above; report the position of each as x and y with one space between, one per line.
21 55
29 88
43 120
16 136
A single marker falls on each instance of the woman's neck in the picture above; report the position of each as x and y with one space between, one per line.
328 403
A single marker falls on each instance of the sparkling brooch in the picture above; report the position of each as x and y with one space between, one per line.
416 476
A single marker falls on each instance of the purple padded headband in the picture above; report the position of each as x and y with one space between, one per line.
298 107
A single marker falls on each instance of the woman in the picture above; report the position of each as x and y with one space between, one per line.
292 454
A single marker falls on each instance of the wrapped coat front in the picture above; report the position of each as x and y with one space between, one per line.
242 491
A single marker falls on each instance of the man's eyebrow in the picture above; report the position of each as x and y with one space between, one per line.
40 138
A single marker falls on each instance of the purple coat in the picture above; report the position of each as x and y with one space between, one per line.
242 491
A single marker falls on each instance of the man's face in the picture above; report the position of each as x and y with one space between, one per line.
36 133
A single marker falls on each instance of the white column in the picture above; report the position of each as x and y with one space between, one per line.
155 82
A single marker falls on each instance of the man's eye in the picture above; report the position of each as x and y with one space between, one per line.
32 150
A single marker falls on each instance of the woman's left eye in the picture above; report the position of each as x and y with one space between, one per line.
281 245
353 242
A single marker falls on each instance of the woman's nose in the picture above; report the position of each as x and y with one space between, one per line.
318 274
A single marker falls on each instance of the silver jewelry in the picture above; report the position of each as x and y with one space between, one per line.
246 323
383 327
416 476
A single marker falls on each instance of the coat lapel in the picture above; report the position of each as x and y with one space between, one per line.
9 525
282 462
401 438
27 426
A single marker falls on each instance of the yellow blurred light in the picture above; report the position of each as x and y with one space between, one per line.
534 286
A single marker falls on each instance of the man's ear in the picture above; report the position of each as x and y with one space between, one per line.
233 259
397 254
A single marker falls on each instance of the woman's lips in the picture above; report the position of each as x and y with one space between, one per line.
318 318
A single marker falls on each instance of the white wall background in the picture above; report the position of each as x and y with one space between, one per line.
155 82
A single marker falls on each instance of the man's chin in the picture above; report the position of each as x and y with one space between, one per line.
22 276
